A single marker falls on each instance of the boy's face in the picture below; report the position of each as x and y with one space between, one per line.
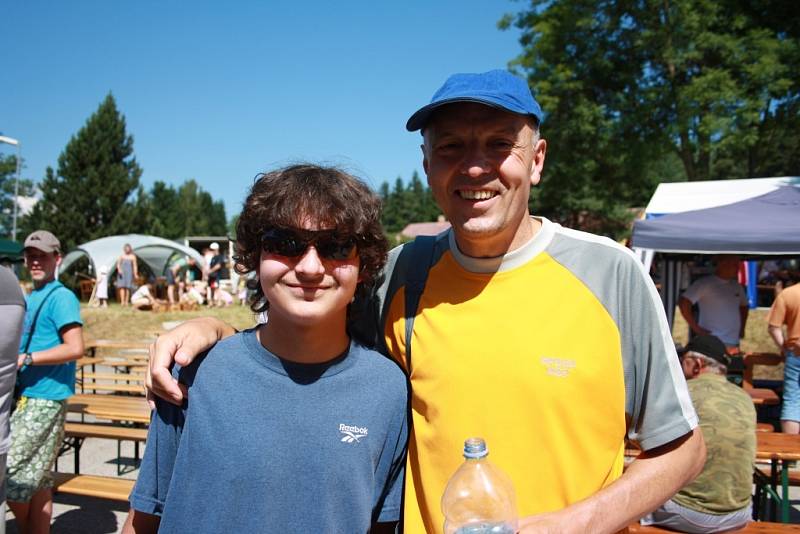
308 275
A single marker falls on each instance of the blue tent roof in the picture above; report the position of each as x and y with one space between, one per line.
765 225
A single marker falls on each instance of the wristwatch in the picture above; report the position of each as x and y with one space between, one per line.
28 360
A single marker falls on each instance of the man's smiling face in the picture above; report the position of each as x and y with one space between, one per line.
481 162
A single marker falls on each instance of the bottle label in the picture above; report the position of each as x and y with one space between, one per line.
486 528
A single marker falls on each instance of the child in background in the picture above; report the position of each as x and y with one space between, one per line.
222 299
292 426
242 290
101 287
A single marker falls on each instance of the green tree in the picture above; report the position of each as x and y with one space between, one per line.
232 225
8 177
165 215
404 204
199 213
630 85
86 198
188 210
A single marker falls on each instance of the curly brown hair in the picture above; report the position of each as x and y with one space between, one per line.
332 198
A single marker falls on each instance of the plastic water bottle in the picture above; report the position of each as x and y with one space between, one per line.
479 498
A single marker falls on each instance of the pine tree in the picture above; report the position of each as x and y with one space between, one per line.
87 197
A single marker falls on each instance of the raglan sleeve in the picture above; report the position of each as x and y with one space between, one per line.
658 406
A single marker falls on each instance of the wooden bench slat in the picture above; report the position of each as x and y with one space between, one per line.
97 430
120 388
117 489
132 377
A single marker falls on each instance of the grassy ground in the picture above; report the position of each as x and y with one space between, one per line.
127 324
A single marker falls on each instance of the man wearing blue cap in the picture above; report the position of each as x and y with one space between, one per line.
549 343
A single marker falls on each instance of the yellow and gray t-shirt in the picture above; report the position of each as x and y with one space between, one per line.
553 353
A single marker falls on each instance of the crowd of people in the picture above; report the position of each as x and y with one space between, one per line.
550 343
186 284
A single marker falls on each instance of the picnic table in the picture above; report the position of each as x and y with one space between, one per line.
117 408
116 382
779 449
91 346
763 396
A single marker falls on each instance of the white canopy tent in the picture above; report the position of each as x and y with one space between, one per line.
155 252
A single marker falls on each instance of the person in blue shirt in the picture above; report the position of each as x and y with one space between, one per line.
293 426
52 340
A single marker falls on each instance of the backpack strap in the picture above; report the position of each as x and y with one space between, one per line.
419 265
36 316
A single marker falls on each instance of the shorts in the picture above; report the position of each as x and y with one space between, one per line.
790 411
213 283
170 277
673 516
37 429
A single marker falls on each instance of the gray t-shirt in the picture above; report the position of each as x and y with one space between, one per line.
12 314
266 445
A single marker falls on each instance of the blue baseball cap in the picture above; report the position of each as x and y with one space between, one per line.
497 88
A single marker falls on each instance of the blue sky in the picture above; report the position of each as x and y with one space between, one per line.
221 91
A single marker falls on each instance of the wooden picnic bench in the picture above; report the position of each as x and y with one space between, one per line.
129 363
763 396
751 359
115 382
75 433
88 360
91 345
116 489
119 408
779 449
116 377
135 389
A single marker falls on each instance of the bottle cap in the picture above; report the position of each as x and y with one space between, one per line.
475 448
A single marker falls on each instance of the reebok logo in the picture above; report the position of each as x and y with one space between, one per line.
352 434
557 366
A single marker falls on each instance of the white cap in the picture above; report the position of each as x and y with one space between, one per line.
214 246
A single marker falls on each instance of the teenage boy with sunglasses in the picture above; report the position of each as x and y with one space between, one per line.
292 426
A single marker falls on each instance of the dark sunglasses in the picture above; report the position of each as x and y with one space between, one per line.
294 243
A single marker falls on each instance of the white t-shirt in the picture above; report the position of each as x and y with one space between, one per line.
142 293
719 301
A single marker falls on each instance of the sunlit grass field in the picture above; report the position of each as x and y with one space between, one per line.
116 322
128 324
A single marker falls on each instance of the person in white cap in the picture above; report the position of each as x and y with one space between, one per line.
51 342
101 287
